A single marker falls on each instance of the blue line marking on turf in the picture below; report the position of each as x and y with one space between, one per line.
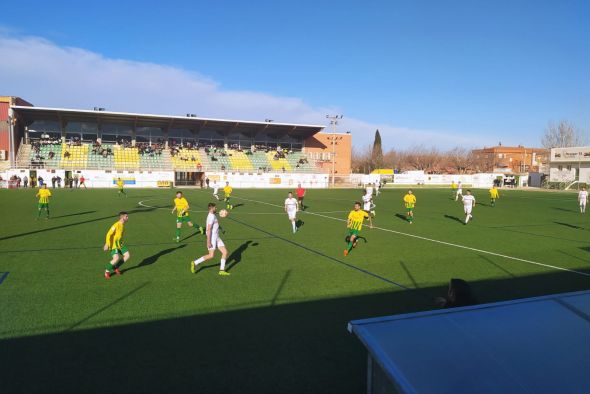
3 276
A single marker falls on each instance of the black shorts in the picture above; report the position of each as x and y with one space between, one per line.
300 198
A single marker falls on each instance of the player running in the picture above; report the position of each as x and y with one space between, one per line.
215 190
453 189
459 191
300 194
43 195
114 243
468 204
227 190
410 203
182 216
213 242
368 207
291 209
494 195
583 199
354 225
121 185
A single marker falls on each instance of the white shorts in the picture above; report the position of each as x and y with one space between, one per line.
367 206
292 214
467 210
215 191
216 242
459 192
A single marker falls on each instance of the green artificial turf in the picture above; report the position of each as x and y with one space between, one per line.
278 323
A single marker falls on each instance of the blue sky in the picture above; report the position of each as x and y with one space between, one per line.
426 72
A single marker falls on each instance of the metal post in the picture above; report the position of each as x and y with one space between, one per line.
334 123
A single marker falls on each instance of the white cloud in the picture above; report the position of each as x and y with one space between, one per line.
49 75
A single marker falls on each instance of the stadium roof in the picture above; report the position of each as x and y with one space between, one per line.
62 115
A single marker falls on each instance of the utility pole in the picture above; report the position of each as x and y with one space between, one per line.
334 122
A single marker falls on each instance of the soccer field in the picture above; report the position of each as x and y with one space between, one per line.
278 323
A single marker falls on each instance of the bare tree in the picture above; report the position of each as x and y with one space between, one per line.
562 135
361 159
461 159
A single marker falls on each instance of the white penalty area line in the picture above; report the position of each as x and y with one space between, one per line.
437 241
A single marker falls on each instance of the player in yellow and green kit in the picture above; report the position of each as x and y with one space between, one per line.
121 185
354 224
494 195
453 189
181 207
227 189
410 203
114 243
43 195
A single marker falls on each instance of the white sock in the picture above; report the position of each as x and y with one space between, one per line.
222 265
293 224
198 261
467 218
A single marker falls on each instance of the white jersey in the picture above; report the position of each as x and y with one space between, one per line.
215 188
583 197
369 190
367 202
212 223
468 202
291 204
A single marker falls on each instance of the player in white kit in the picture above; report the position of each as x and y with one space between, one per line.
369 189
291 206
468 204
368 206
213 242
215 190
459 191
583 199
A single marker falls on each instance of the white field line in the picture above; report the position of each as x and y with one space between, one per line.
437 241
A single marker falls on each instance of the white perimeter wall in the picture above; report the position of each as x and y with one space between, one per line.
97 178
419 177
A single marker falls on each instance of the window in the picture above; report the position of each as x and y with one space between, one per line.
569 168
560 168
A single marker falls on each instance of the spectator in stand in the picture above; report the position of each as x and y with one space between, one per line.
67 154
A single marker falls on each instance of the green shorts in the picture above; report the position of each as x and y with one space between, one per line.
409 209
353 232
183 219
43 205
121 251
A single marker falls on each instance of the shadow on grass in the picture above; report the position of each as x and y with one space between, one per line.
114 216
564 209
455 218
299 223
300 347
569 225
236 255
153 258
72 214
401 217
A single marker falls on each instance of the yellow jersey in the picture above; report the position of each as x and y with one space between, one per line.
120 183
494 193
454 186
181 206
227 190
44 195
410 200
114 238
356 219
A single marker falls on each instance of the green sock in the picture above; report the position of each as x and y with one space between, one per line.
47 211
177 233
109 267
350 246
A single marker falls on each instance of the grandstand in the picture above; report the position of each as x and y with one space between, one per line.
79 140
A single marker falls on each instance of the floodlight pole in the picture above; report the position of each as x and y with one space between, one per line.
334 122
